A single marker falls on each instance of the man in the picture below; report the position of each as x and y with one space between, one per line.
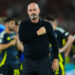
60 35
9 62
36 34
21 56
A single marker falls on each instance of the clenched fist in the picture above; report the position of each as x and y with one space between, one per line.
41 31
55 64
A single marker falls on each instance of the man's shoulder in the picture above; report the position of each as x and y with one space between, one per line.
59 29
47 23
2 36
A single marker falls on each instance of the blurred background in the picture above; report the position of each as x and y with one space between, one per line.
63 10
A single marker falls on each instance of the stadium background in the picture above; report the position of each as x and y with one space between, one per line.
63 10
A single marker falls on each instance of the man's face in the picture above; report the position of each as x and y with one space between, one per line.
11 25
33 11
54 24
16 28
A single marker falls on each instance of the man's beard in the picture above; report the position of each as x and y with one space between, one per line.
11 30
33 16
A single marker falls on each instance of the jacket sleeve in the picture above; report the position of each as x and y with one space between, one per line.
25 35
53 41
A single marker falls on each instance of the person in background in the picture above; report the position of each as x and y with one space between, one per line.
9 47
61 34
21 55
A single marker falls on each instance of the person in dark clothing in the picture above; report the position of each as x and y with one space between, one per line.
61 34
9 47
36 34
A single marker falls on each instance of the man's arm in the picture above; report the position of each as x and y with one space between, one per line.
19 46
53 41
68 50
5 46
68 45
69 42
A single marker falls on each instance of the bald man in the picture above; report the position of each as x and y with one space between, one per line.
36 34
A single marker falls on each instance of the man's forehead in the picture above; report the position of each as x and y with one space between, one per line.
33 5
12 21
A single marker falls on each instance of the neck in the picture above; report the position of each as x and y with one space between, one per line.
35 21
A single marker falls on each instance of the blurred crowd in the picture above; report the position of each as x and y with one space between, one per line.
63 9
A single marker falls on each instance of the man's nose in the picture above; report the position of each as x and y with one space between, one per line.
32 11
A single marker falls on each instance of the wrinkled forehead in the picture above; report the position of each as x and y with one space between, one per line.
33 6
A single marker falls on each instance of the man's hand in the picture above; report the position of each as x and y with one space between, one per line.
19 46
55 64
61 50
41 31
